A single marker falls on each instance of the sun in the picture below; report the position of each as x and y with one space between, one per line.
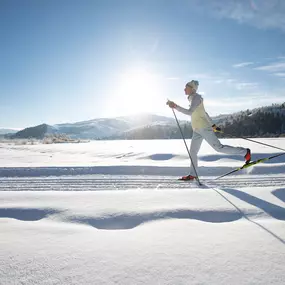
137 91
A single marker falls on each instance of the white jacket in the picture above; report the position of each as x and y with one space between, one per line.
199 117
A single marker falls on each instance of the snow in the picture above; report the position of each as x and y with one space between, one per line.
112 212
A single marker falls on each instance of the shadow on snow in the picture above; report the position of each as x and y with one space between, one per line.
130 221
273 210
280 194
25 214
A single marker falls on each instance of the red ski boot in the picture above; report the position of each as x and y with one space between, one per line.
247 157
188 178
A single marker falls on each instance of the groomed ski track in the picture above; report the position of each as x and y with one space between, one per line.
126 182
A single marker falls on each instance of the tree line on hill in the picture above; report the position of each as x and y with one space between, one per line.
260 122
265 122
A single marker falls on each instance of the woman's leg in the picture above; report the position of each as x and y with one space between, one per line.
196 142
215 143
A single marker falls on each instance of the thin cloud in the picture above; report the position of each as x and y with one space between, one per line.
239 85
219 81
265 14
172 78
246 85
231 80
272 67
242 64
244 102
224 102
280 74
204 76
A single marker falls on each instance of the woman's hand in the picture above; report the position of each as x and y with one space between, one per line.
216 129
171 104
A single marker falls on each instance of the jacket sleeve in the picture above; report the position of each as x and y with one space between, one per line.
209 119
196 101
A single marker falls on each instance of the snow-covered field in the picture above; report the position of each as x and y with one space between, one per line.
112 212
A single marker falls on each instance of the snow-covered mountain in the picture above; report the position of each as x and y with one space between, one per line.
264 121
96 128
7 131
105 127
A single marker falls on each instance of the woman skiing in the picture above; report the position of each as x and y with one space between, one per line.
203 128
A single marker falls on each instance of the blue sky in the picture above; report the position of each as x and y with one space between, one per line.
74 60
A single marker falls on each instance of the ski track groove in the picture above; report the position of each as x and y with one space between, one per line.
127 182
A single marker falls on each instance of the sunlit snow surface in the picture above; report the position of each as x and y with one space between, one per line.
113 212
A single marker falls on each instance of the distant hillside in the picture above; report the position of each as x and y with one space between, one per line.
33 132
260 122
7 131
158 131
94 129
105 127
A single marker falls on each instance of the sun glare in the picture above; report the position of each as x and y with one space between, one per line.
137 91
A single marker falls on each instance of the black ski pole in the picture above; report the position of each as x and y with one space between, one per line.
198 180
251 140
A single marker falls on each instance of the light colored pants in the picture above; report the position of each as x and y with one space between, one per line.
213 141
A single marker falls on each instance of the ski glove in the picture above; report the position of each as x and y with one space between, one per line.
216 129
171 104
